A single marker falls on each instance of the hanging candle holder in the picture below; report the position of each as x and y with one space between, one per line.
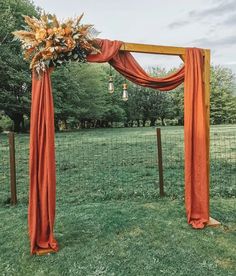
125 86
111 83
125 92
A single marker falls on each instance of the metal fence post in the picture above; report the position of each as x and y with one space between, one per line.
11 139
160 165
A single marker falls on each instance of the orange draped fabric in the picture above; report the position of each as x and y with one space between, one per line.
195 141
42 166
125 64
42 152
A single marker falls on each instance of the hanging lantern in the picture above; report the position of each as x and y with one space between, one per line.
111 85
125 93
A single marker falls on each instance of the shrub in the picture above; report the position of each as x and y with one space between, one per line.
5 123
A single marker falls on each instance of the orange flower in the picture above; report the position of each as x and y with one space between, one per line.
49 31
68 30
61 31
58 31
46 54
70 43
49 43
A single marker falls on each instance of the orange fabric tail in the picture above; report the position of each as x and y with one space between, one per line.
196 152
41 211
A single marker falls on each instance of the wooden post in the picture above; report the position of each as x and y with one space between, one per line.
160 165
206 78
207 70
11 139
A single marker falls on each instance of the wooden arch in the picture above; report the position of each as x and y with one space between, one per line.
43 85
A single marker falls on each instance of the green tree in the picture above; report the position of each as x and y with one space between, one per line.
15 80
223 101
80 94
177 104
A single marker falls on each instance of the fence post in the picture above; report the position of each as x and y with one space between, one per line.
160 165
11 139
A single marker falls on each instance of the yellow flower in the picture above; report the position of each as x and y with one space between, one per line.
41 34
61 31
54 30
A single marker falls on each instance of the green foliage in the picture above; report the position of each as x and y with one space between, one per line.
15 75
5 123
79 93
177 104
223 100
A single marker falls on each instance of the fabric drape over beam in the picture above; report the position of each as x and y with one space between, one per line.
42 152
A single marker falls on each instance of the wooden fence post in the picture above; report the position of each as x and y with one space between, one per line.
11 139
160 165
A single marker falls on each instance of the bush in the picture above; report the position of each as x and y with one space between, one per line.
5 124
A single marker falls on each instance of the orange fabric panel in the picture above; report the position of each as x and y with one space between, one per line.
41 211
196 152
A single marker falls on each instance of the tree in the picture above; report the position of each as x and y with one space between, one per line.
79 94
15 80
177 104
223 101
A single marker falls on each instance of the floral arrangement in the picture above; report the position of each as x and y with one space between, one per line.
46 42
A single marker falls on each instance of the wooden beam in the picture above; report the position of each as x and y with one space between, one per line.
41 252
207 89
213 223
153 49
156 49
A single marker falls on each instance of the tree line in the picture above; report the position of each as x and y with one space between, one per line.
80 92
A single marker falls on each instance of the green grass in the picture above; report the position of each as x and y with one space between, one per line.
123 238
110 219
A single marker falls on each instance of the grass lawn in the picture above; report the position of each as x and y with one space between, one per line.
123 238
110 219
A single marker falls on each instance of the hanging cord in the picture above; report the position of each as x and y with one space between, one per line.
110 71
124 62
125 93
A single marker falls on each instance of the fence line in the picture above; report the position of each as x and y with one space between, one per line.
110 165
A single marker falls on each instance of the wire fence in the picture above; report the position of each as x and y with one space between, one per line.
119 164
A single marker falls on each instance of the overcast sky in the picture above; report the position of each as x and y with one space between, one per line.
189 23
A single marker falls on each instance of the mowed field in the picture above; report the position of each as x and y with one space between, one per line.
110 219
